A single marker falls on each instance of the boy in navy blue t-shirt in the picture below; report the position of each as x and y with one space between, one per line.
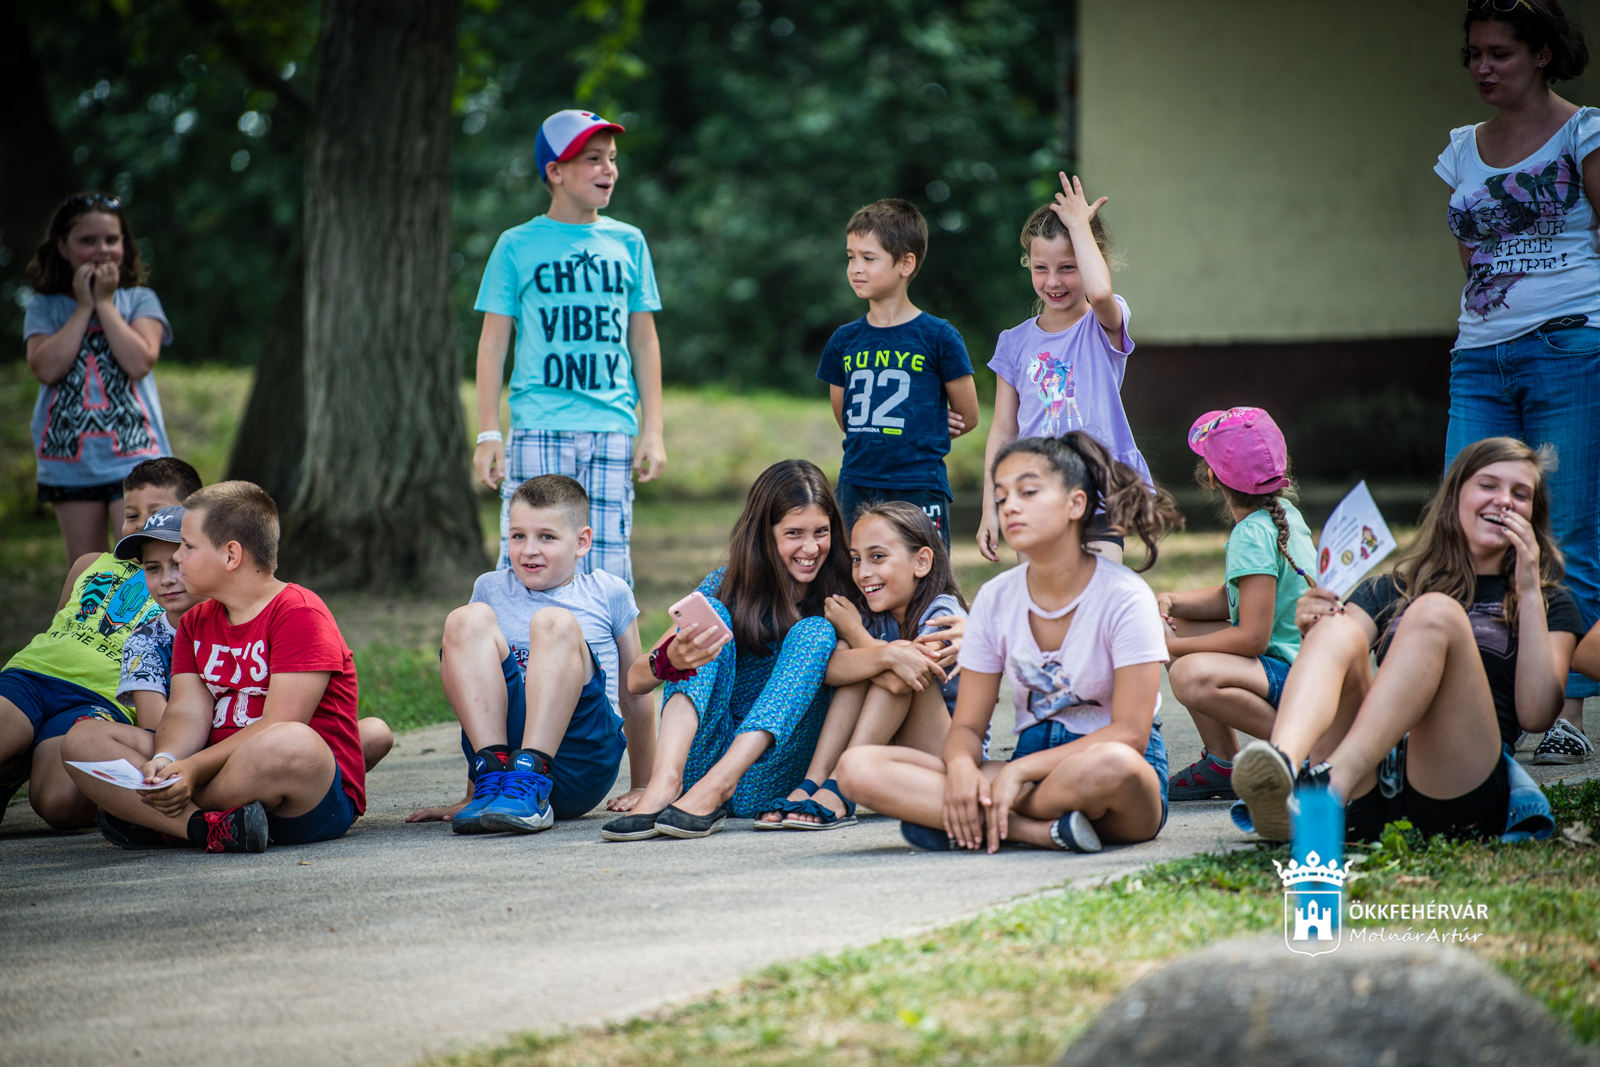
900 379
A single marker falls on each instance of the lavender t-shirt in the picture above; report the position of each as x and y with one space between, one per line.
1071 380
1115 623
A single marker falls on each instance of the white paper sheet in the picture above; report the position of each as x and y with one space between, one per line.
119 772
1354 540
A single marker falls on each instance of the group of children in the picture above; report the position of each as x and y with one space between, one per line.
836 660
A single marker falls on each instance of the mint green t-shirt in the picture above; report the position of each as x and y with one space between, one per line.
1253 549
571 289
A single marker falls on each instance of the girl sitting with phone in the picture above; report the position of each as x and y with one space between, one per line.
746 698
897 681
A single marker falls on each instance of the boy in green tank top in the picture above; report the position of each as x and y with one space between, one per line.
71 671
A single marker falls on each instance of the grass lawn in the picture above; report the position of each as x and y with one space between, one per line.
1015 985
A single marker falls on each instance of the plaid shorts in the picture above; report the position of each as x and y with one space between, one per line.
603 464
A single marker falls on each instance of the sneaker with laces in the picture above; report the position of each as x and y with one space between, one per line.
1204 779
241 829
487 774
1264 780
523 806
1564 743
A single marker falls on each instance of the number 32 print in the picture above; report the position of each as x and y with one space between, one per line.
860 416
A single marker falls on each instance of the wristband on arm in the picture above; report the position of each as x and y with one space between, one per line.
490 435
662 667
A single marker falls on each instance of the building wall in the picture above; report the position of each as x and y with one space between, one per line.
1270 163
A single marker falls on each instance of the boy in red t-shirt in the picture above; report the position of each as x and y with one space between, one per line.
259 738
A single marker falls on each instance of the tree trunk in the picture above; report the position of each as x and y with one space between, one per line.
271 441
35 171
384 498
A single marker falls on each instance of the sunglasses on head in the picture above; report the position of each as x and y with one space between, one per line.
1505 7
89 200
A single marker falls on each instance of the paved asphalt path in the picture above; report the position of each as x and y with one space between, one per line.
399 941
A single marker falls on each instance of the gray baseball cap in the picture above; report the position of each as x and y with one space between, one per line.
164 525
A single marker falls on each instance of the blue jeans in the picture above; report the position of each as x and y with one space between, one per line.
1052 734
1544 388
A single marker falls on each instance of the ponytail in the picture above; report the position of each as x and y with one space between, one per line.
1129 504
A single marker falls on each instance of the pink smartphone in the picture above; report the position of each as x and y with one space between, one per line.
696 609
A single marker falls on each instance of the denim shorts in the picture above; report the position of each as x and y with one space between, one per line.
584 768
329 819
53 705
1277 674
1052 734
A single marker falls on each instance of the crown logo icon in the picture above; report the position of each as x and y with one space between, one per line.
1313 870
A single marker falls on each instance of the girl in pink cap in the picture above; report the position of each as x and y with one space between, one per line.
1232 644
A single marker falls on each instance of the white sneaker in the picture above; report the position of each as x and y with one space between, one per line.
1564 743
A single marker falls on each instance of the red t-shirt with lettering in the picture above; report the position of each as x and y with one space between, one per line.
294 632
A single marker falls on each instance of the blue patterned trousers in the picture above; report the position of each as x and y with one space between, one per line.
781 693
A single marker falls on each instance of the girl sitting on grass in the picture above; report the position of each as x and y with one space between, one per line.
1474 635
1232 644
1082 643
899 691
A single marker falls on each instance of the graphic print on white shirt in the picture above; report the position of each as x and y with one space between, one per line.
1049 686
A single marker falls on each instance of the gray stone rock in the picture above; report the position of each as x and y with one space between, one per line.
1249 1003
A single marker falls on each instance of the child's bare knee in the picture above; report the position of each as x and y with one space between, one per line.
469 623
554 624
287 748
85 741
1433 611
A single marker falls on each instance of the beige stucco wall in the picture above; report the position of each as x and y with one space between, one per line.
1269 162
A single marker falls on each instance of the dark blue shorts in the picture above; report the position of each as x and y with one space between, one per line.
1277 673
53 705
329 819
584 768
1052 734
934 504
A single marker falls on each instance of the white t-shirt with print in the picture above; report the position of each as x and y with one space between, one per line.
1535 253
1115 623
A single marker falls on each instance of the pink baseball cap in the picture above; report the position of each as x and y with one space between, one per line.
1244 448
563 135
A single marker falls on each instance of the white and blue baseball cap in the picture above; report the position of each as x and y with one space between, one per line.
564 134
164 525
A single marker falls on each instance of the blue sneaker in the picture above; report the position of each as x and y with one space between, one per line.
485 791
523 806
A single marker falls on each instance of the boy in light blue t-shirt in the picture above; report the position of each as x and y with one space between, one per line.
581 291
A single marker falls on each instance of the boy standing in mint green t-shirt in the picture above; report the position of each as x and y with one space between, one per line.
581 292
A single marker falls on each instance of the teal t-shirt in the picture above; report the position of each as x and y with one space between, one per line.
1253 549
571 289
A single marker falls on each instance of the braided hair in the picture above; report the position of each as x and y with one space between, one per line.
1271 503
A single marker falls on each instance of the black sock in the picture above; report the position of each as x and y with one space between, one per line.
496 756
197 829
541 761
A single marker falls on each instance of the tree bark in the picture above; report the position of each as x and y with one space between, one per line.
36 173
271 441
383 499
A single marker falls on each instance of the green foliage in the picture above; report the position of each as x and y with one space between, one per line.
208 164
401 686
1578 803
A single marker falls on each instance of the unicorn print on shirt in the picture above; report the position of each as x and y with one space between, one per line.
1058 390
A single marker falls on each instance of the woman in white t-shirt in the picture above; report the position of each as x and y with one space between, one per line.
1081 640
1526 362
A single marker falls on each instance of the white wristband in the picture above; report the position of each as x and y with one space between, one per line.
490 435
169 756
